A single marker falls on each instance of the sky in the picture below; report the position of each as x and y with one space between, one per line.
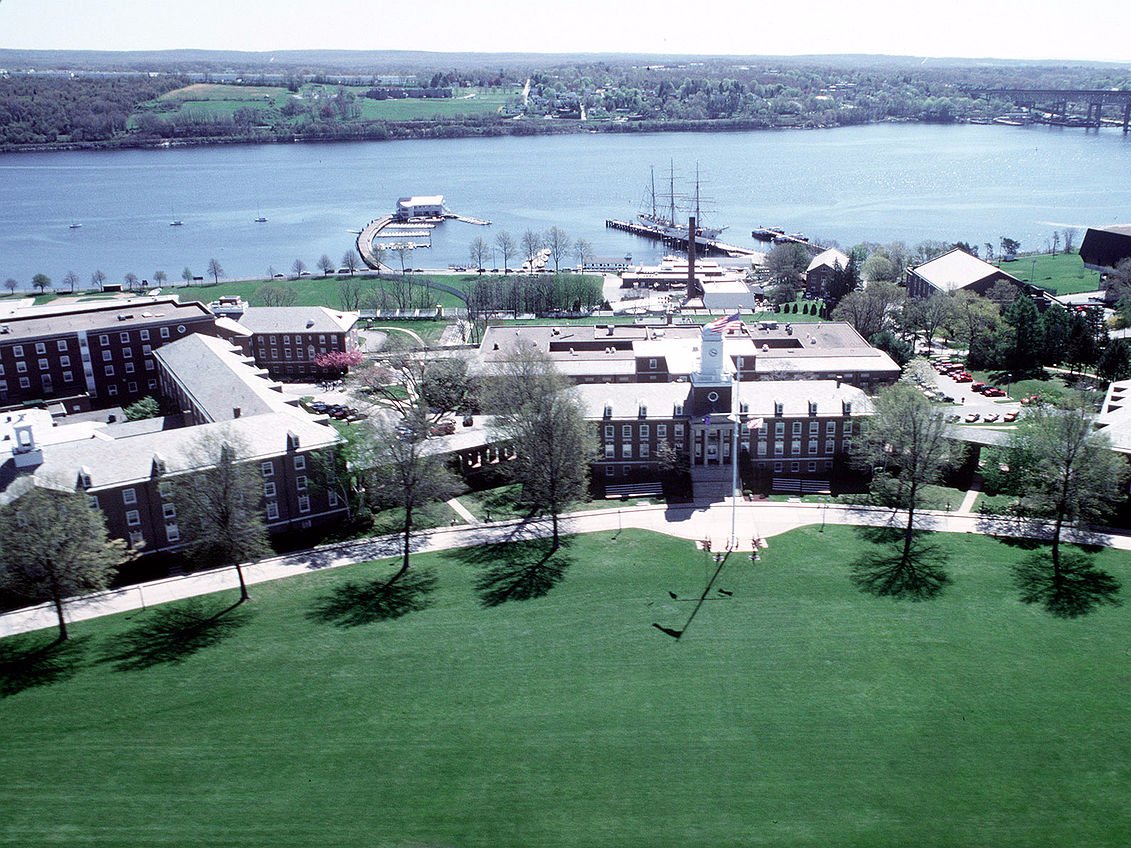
1004 29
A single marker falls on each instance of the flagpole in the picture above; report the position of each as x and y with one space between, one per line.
734 407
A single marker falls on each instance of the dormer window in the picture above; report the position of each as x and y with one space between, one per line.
846 407
779 409
812 407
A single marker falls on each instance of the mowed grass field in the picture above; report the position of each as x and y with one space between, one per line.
797 712
1061 273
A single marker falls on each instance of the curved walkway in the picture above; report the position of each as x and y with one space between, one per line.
698 521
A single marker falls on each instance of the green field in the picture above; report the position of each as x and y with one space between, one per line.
482 101
1061 273
799 712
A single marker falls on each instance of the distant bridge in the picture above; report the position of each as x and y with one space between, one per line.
1057 101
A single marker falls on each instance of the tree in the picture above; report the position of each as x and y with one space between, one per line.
531 245
1019 338
1115 361
99 277
478 250
1069 234
130 280
559 244
787 263
538 413
1009 247
905 442
147 407
187 275
54 546
404 254
298 268
218 504
378 251
159 277
583 250
351 261
339 361
41 282
215 269
506 246
11 284
972 324
325 265
419 389
276 296
1068 473
870 309
399 470
71 279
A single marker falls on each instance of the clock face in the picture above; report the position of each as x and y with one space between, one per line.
713 352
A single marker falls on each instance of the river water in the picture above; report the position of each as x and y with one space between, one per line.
877 183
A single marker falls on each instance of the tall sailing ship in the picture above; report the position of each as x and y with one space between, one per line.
667 221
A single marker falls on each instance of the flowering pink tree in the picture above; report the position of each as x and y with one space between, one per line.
339 361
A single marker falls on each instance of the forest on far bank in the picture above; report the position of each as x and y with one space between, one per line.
70 101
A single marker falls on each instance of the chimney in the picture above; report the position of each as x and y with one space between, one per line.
236 411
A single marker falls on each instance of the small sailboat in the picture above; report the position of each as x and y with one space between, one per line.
259 219
74 226
176 222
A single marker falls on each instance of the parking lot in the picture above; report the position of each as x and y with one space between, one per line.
976 402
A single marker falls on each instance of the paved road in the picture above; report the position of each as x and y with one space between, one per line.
694 522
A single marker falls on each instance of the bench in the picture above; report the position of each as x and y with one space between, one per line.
634 490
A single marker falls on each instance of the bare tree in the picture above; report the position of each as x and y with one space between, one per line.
1069 234
130 280
159 277
325 265
583 250
71 279
350 294
531 246
276 296
351 261
99 277
298 268
559 245
215 269
404 252
11 284
506 245
378 251
479 251
218 504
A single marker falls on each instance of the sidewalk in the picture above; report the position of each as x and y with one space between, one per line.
694 522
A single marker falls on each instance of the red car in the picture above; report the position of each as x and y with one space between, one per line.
993 391
977 387
963 377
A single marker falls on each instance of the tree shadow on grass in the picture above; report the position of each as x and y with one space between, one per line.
34 659
883 572
356 603
172 634
516 571
1078 590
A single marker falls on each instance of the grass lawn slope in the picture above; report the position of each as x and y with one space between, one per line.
502 701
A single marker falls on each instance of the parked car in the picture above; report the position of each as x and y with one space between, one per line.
991 418
442 428
977 387
994 391
1010 416
972 417
963 377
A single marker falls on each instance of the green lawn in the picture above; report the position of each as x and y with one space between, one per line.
480 102
1062 273
799 712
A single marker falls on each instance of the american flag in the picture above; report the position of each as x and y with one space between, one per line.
725 323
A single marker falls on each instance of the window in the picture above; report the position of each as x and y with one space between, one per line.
144 334
643 450
21 367
128 353
779 449
777 467
104 340
795 466
812 448
272 510
109 369
796 429
25 382
151 384
172 532
662 432
68 376
610 450
847 428
268 490
300 483
61 344
107 356
286 340
124 338
131 388
1 370
273 339
133 518
848 445
181 329
40 348
165 488
644 432
300 463
626 450
149 365
610 470
129 496
678 431
65 361
137 539
42 363
779 428
609 431
332 498
267 469
830 445
164 332
112 390
652 364
812 466
169 510
17 351
129 368
304 503
626 431
146 350
761 448
830 427
795 448
814 428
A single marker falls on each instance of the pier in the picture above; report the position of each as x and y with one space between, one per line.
702 244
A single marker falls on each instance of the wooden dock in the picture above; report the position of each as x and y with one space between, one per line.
703 245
